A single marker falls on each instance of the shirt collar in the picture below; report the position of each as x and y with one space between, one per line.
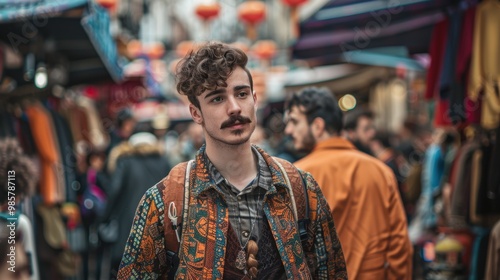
270 177
335 143
263 176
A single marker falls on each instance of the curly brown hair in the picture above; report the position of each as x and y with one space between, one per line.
14 159
208 68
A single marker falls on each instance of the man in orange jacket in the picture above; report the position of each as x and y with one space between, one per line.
361 191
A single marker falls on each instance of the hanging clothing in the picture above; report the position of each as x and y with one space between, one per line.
85 123
493 259
441 116
479 251
68 157
485 62
52 186
450 55
493 184
25 136
425 216
477 214
96 133
462 187
458 106
436 51
7 125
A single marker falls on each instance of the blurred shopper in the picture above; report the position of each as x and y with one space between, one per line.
160 124
413 147
362 191
125 124
359 129
93 200
135 166
260 138
406 138
191 141
382 149
436 169
241 224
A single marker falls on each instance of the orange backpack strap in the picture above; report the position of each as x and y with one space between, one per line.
300 198
173 198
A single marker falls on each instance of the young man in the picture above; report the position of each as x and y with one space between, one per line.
240 222
360 189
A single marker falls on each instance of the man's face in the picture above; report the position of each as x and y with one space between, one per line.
227 114
298 128
365 131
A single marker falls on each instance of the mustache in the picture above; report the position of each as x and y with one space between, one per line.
234 119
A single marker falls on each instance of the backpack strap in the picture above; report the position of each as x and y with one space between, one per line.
299 195
176 197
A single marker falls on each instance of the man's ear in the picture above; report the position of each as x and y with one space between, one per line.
318 126
254 95
196 114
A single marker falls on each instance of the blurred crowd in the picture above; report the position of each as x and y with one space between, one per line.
113 180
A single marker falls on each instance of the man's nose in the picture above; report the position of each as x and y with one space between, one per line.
288 129
234 107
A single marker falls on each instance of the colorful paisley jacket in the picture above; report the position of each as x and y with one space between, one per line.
204 236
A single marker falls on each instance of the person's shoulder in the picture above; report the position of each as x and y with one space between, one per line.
152 196
288 165
369 161
177 175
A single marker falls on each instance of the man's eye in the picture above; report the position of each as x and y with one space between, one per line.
217 99
242 94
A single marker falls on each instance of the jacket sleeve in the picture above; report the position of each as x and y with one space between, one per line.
400 250
145 256
324 252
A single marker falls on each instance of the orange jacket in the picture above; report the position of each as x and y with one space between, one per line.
367 209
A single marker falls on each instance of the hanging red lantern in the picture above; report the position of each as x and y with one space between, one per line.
259 85
241 45
294 3
208 11
265 49
110 5
294 14
155 51
252 13
134 48
184 48
172 67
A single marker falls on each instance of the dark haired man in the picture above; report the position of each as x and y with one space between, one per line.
359 129
240 222
361 190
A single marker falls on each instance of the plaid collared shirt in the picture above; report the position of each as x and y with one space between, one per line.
245 206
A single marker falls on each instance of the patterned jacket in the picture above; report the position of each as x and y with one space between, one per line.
203 244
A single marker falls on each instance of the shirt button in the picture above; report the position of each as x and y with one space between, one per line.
245 233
